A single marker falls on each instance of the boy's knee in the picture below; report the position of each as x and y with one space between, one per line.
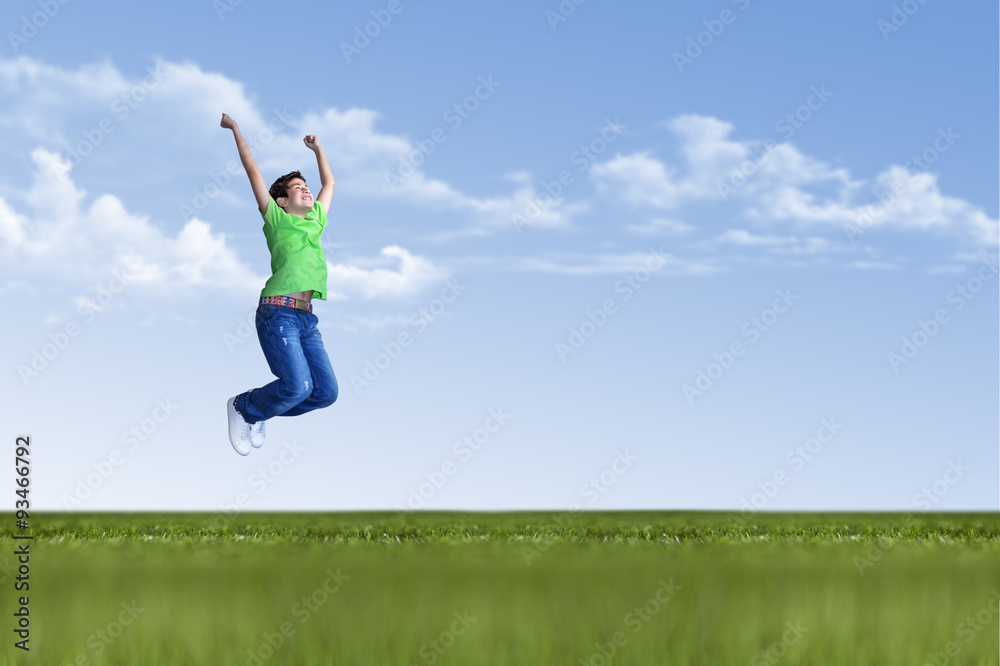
327 397
296 390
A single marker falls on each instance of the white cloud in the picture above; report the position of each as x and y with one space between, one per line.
917 203
775 183
639 180
743 237
63 241
173 115
773 244
174 109
872 265
36 96
412 276
370 322
63 244
597 264
660 225
370 163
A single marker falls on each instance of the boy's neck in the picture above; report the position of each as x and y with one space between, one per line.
301 214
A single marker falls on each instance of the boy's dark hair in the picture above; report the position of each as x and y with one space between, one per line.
280 186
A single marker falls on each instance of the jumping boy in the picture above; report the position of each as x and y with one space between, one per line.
286 325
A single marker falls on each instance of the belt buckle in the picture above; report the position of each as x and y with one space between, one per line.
299 304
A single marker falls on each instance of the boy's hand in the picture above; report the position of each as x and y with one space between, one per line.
227 122
311 141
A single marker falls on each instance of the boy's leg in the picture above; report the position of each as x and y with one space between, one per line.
279 330
324 383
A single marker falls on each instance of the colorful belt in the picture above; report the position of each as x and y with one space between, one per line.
287 301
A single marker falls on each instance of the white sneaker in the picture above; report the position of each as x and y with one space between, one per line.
239 430
257 434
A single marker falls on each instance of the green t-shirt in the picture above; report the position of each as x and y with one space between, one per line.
298 262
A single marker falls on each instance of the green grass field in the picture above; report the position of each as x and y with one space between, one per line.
509 588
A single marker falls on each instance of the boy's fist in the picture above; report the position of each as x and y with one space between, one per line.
227 122
311 141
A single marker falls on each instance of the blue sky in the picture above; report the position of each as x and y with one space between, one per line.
736 256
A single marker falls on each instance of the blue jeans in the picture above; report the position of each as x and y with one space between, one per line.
294 351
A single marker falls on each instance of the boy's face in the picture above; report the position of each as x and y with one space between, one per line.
298 198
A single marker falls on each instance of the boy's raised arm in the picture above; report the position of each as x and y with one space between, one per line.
325 175
260 189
